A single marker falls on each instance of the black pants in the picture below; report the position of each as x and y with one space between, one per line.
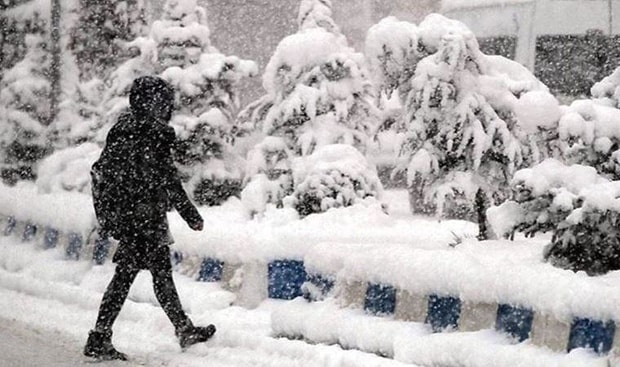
118 289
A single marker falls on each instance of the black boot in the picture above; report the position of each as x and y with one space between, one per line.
99 346
190 334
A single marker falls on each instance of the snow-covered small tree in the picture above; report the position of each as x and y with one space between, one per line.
318 90
178 49
464 131
24 103
98 36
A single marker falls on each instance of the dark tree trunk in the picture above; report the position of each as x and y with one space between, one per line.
56 60
481 204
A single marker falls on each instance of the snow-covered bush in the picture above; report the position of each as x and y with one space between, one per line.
542 197
589 238
318 91
589 132
608 89
334 176
178 48
68 169
465 129
268 175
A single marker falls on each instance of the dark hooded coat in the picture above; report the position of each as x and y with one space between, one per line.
137 158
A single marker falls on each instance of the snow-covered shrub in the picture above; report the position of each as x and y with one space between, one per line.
68 169
608 89
589 132
542 197
268 175
333 176
589 238
178 48
464 127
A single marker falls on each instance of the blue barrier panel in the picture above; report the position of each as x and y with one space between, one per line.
210 270
50 238
75 246
380 299
285 278
515 321
176 257
30 230
443 312
100 252
10 226
324 284
591 334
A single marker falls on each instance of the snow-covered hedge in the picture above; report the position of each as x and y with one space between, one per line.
333 176
543 196
589 238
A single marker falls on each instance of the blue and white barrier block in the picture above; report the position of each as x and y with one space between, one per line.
551 332
410 306
210 270
9 225
29 232
380 299
443 312
285 279
592 334
101 249
74 245
477 316
50 237
515 321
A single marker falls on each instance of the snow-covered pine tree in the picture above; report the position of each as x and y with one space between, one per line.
178 49
392 52
19 18
98 36
391 49
25 111
318 91
463 130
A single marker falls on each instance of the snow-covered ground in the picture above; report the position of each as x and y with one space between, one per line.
48 303
47 306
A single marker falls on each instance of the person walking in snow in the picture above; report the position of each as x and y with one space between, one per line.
134 184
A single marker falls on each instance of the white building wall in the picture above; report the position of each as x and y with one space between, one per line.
527 20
